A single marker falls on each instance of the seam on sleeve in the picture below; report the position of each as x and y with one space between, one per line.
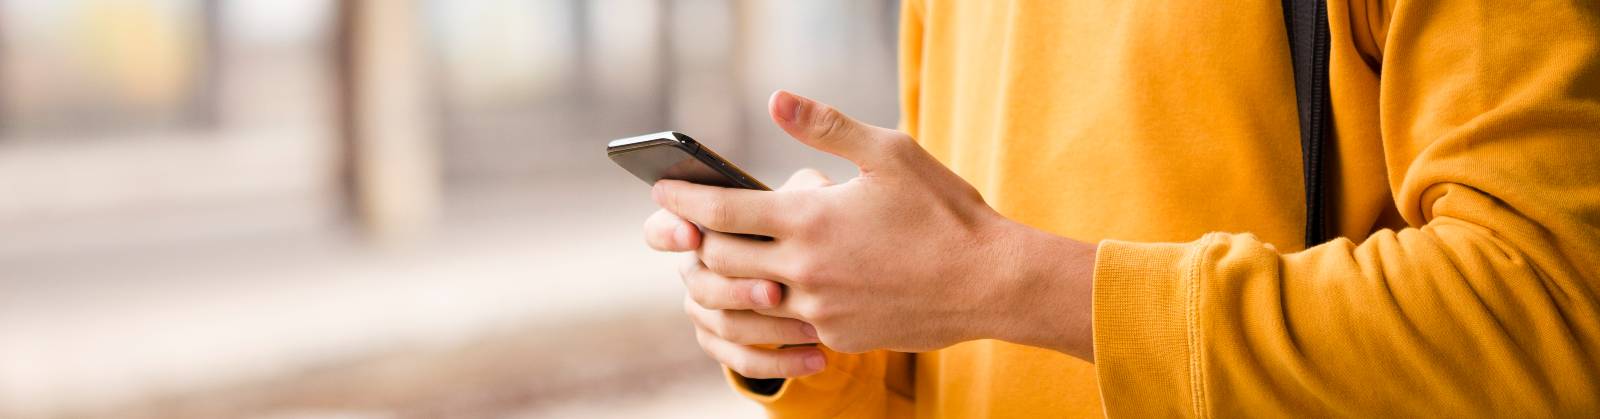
1192 278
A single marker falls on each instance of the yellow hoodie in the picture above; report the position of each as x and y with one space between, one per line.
1466 191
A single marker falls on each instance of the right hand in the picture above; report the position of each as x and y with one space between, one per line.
721 307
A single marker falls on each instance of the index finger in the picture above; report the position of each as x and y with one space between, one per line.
725 210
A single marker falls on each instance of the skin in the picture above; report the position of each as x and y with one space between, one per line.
905 257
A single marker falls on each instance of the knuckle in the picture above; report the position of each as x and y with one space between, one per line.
835 343
809 312
792 218
714 261
727 330
673 199
802 270
733 294
788 367
698 294
809 216
819 316
718 213
788 328
798 207
699 289
897 145
808 174
808 178
822 313
719 326
800 179
829 122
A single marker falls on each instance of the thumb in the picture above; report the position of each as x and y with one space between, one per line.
824 128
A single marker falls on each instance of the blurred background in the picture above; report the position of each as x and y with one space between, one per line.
375 209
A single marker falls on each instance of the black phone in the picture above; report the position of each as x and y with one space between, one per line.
673 155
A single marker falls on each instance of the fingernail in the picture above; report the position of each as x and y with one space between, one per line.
683 236
810 331
786 105
815 362
762 294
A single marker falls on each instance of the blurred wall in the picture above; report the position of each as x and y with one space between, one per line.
186 190
160 116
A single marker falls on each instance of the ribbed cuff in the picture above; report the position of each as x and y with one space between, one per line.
1146 345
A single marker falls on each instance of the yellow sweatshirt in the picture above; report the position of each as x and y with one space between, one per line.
1466 191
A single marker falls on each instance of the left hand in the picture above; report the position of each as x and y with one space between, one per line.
905 257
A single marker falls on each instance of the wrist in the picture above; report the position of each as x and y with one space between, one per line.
1047 282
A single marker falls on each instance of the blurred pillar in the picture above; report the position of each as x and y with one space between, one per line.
703 88
666 69
392 163
4 83
204 101
582 88
740 16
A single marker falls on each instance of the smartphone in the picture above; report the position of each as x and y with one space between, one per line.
673 155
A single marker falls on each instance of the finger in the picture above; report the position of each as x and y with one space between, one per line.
748 328
756 362
713 291
824 128
722 209
807 178
789 306
736 256
668 233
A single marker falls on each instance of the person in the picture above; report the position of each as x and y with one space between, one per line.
1097 208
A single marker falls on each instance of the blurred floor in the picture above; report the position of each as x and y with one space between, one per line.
695 398
524 260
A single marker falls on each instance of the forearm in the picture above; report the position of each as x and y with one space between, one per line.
1043 286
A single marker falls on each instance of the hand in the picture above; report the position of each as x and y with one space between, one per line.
906 257
720 306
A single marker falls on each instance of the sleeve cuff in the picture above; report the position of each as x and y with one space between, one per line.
1146 348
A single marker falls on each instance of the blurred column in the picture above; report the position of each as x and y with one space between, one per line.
666 69
204 104
581 90
3 81
702 79
391 157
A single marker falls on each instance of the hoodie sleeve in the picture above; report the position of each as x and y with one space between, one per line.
1484 305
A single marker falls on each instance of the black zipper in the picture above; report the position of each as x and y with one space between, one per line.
1307 23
